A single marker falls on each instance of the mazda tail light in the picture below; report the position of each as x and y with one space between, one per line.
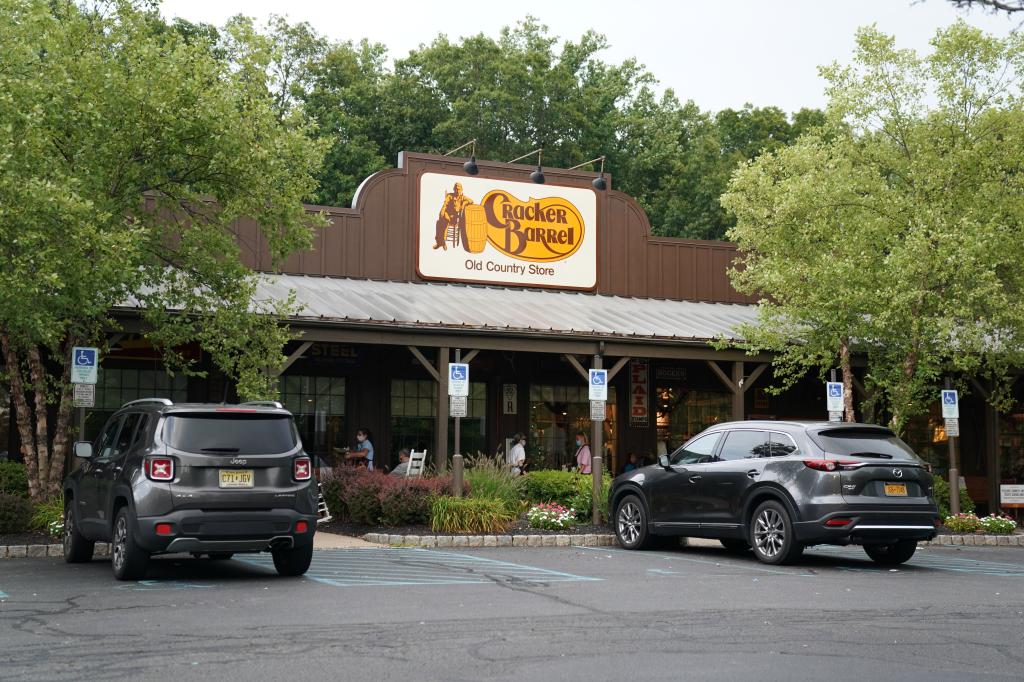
832 464
159 468
302 469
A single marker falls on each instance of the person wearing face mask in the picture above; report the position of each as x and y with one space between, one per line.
582 453
517 454
362 454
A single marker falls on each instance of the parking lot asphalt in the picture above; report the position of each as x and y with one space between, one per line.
521 614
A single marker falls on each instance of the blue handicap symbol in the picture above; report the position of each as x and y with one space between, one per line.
835 390
598 378
949 397
85 358
457 373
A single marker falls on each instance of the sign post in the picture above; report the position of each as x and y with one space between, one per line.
598 396
951 413
84 370
458 397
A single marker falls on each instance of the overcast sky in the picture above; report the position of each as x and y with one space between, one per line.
718 53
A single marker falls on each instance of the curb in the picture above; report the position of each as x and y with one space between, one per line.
52 550
1016 540
595 540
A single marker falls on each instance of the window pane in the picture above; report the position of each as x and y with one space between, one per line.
781 445
744 445
698 451
241 434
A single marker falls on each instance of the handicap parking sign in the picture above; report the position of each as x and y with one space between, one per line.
84 364
950 405
599 384
458 379
834 396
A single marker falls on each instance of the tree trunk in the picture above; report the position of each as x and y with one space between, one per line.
23 418
60 435
38 374
844 365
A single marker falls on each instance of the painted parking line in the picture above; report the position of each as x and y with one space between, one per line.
924 560
3 595
740 565
417 567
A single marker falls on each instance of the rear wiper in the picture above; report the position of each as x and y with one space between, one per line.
218 449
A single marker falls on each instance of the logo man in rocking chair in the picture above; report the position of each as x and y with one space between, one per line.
455 203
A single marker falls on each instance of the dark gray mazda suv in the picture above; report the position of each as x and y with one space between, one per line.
212 480
777 487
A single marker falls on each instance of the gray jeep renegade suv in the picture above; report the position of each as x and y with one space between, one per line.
212 480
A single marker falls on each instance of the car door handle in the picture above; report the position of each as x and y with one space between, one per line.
753 473
694 479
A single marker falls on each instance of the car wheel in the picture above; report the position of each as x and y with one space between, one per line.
128 559
892 554
631 524
735 546
220 556
294 561
771 534
77 549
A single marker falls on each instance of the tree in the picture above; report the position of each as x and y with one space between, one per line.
898 229
126 152
1008 6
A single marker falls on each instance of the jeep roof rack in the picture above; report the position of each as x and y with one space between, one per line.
265 403
141 401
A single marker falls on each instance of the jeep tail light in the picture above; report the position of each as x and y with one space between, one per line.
164 529
838 522
302 469
159 468
301 527
832 464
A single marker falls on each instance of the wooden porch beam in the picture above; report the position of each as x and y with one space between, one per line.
426 363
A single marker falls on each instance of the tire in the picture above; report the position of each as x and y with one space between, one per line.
893 554
128 560
77 549
631 524
735 546
220 556
294 561
771 534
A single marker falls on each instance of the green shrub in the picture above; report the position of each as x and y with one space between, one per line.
963 523
15 514
469 515
48 516
941 492
13 479
491 480
568 489
998 525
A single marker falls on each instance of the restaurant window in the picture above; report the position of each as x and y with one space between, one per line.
318 404
683 413
557 413
414 411
115 387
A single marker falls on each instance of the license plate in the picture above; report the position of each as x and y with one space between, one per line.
896 489
236 478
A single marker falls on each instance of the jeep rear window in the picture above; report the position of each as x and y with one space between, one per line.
880 443
231 434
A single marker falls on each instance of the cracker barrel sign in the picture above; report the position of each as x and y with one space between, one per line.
514 233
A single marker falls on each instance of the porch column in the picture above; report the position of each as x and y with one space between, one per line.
441 451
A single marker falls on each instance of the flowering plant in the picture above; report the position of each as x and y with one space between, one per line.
550 516
1000 525
963 523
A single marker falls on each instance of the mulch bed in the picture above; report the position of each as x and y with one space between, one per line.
30 538
521 528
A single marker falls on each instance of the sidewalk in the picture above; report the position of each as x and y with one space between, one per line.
324 540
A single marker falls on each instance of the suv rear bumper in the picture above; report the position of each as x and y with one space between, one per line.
195 530
868 527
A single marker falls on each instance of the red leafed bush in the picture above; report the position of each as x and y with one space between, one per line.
405 501
372 497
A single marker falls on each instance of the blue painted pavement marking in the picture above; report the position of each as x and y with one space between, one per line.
3 595
737 564
420 567
924 560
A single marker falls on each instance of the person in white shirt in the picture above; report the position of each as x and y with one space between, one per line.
402 468
517 455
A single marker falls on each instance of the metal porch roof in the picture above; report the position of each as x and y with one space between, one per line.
441 306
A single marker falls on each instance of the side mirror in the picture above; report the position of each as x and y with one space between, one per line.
83 449
663 461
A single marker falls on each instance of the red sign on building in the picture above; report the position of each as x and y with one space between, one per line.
639 393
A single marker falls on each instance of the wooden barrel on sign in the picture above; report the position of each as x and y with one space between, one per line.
476 228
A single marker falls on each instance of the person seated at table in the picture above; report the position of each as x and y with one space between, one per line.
632 464
402 469
362 454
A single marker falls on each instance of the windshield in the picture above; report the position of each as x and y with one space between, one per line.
242 434
879 443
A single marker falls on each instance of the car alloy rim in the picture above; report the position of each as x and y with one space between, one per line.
629 523
769 533
120 540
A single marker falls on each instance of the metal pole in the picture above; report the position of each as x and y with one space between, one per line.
954 470
457 468
596 459
458 420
